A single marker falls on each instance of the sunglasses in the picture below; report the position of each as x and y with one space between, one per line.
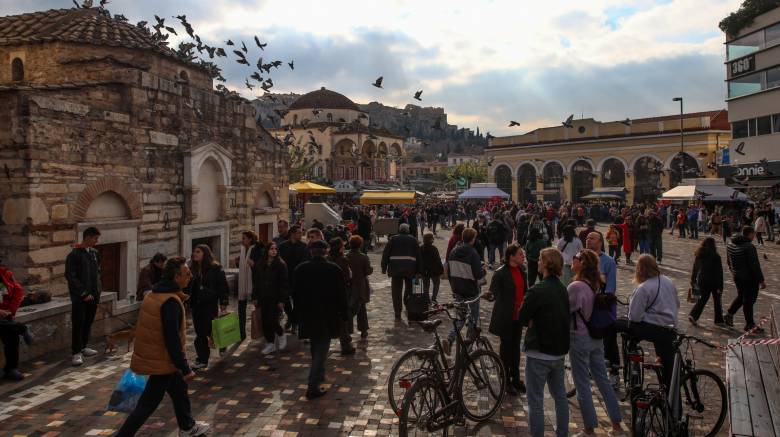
578 257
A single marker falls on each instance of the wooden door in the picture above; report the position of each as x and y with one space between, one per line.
110 256
263 229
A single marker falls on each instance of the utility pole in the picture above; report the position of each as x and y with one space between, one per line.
682 141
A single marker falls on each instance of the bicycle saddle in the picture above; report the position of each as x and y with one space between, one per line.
430 325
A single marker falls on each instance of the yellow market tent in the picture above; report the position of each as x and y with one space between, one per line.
306 187
387 197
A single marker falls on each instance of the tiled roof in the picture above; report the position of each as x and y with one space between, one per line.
86 26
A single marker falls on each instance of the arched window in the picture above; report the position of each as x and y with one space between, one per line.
526 183
184 76
647 179
683 166
613 173
17 70
581 180
553 181
504 179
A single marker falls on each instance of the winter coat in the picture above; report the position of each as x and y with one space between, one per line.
82 271
13 294
208 289
431 261
743 261
546 305
503 288
149 276
270 281
707 273
465 270
401 256
320 299
361 269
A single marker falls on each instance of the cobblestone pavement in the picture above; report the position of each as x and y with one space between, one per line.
248 394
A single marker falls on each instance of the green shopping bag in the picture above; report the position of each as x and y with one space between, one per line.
224 331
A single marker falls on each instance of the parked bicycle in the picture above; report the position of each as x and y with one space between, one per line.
416 362
473 388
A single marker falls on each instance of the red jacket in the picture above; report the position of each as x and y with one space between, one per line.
14 292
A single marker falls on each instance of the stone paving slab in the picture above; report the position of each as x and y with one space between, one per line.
247 394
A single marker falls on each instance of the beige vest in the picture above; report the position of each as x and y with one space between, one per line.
150 357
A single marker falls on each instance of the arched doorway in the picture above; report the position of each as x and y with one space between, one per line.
553 181
647 179
504 179
581 180
526 183
613 173
683 166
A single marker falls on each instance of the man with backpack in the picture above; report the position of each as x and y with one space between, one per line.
606 318
496 233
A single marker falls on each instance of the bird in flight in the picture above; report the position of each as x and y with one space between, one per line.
627 122
229 42
262 46
417 95
513 123
248 85
568 121
243 47
378 82
292 65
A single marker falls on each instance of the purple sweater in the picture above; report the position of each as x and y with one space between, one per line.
581 299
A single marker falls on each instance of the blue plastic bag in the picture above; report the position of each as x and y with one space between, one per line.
127 392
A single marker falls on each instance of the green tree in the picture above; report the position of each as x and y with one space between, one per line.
473 171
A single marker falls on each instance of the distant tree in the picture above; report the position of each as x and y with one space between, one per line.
473 171
744 16
459 148
418 158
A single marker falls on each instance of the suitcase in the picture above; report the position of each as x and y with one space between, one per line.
417 303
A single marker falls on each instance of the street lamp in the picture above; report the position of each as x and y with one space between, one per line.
682 143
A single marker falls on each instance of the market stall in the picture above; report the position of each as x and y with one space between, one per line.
708 190
606 193
388 198
483 191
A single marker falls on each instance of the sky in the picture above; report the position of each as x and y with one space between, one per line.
486 62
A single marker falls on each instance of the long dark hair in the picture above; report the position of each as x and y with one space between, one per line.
706 249
208 259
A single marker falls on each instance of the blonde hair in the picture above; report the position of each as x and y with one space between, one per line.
646 268
552 260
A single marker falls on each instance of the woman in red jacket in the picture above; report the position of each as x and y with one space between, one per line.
10 331
626 233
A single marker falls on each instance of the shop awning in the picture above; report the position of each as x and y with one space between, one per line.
306 187
606 193
483 193
708 193
387 197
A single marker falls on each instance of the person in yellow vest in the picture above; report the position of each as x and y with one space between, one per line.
159 352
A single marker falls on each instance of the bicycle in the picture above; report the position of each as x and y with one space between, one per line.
474 388
416 362
689 407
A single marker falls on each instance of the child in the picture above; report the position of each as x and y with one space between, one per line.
613 240
432 266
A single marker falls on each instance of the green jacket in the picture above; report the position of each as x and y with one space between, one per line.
532 248
545 311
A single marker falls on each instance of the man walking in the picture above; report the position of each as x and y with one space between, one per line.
742 259
465 272
655 227
159 351
401 260
82 271
293 252
321 307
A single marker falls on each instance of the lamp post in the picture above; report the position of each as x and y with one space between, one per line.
682 143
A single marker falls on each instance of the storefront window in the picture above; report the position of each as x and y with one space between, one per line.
739 129
764 125
745 45
773 77
745 85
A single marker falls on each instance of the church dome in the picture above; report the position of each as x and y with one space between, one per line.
323 99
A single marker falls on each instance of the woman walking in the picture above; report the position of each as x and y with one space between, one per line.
432 266
760 226
707 276
270 290
250 256
360 292
586 354
508 288
208 297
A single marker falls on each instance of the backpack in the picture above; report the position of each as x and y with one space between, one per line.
602 305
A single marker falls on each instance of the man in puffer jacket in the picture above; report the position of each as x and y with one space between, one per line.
465 272
742 259
401 260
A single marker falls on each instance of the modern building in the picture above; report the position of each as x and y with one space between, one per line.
104 126
753 84
348 147
456 159
424 170
633 159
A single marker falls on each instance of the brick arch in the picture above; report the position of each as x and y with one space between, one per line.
100 186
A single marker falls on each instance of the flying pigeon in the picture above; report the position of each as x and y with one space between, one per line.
568 121
513 123
378 82
417 95
292 65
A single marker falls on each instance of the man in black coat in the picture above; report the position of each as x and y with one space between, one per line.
742 259
321 308
364 228
82 271
402 261
293 252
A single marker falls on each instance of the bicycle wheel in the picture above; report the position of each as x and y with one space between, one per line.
406 370
421 402
482 343
568 379
482 385
650 421
704 402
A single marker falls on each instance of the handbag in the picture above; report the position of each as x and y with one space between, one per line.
257 325
128 390
224 331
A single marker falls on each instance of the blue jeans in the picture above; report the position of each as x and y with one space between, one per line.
319 354
492 251
586 355
537 374
474 308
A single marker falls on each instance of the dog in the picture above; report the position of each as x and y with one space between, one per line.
112 340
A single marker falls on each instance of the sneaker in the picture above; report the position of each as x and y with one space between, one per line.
89 352
728 319
314 394
13 375
77 360
198 365
364 335
692 320
197 430
268 349
27 335
281 342
446 347
756 330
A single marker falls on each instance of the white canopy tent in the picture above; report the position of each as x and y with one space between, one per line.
709 190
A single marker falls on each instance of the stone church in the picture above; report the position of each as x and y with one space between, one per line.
100 125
